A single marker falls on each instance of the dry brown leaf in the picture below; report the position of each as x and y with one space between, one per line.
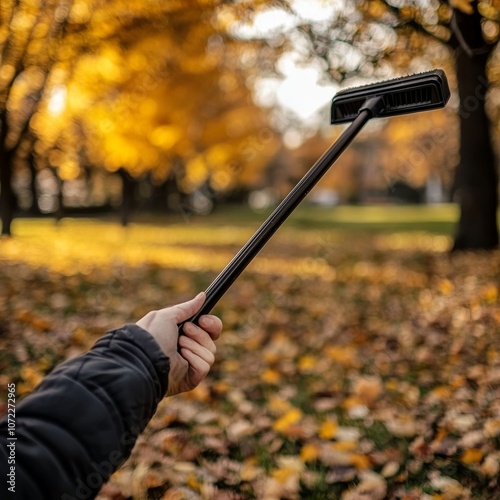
371 487
367 389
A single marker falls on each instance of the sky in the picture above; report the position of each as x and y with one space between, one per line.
299 91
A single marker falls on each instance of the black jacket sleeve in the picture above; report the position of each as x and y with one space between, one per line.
81 422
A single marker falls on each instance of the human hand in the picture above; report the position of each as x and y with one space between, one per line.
191 355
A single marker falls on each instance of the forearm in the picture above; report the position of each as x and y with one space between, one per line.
81 423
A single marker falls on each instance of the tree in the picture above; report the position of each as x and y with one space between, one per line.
39 44
366 38
145 87
27 35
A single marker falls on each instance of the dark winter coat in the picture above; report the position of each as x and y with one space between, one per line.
81 422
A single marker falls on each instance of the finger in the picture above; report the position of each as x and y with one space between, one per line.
212 325
198 367
200 336
201 351
187 309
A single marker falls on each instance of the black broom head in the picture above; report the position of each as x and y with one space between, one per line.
407 94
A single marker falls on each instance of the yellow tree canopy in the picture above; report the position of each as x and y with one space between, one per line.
134 85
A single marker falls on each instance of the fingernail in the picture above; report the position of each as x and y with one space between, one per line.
206 321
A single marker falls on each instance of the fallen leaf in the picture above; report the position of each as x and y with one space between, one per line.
472 456
367 389
372 486
328 429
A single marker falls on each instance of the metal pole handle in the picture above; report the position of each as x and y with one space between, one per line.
240 261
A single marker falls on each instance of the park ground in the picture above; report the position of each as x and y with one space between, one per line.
359 359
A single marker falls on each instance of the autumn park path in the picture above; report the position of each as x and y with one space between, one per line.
357 354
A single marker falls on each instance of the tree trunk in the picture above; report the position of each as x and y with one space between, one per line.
476 176
34 209
128 196
6 193
59 213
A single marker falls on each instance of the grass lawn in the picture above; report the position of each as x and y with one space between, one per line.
177 241
432 218
357 354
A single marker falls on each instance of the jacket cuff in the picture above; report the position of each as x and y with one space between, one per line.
145 341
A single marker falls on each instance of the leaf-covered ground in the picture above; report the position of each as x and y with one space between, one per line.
353 364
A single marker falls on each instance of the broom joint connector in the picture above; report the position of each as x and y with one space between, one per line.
375 105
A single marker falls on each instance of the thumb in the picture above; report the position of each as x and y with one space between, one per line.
184 311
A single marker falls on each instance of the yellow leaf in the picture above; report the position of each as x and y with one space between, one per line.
249 472
221 386
445 287
278 405
271 357
199 393
492 355
442 392
360 461
307 363
193 483
458 381
45 364
290 468
328 429
80 336
391 384
441 434
462 5
345 445
282 475
472 456
489 293
309 452
23 388
41 324
344 355
271 376
350 402
32 377
291 417
231 365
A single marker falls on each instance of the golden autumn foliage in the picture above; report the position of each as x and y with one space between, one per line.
143 86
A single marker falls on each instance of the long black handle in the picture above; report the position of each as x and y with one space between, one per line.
253 246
